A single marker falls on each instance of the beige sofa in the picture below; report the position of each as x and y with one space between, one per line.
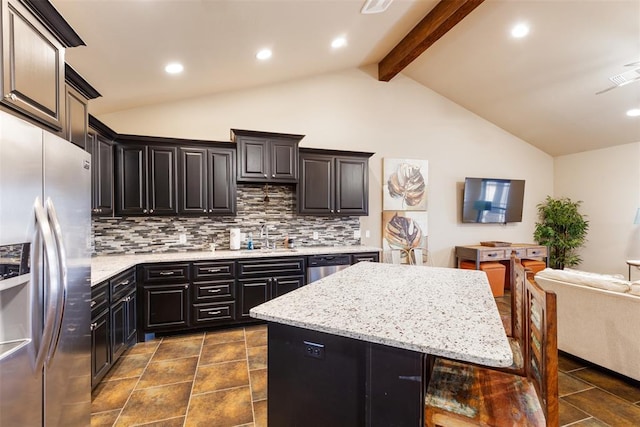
598 318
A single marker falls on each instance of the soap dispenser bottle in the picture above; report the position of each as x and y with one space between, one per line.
250 241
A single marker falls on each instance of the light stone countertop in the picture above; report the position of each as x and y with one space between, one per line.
440 311
104 267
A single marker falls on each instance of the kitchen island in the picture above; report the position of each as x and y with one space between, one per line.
356 348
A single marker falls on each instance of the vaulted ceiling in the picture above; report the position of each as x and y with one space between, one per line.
541 88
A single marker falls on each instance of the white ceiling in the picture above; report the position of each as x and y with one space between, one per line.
541 88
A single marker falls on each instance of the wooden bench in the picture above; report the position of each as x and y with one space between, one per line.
461 394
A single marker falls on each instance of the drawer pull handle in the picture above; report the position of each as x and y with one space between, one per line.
213 313
213 270
214 291
167 273
125 283
492 254
93 303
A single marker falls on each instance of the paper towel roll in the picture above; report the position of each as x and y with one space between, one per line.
234 239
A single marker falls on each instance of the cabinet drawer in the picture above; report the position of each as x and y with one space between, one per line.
213 270
214 312
520 253
537 252
369 256
288 266
492 255
165 273
99 299
207 291
122 284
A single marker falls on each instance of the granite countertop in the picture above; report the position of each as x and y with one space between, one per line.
104 267
440 311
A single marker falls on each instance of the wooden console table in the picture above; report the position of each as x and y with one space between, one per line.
479 253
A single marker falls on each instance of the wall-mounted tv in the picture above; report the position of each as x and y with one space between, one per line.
492 200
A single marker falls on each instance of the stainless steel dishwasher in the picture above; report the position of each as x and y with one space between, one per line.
319 266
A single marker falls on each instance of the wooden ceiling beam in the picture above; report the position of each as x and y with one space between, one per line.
443 17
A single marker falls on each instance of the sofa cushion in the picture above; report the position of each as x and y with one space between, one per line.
590 273
595 280
635 288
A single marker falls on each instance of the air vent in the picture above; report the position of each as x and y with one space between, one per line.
626 77
375 6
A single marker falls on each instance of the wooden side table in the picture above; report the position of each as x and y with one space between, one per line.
632 263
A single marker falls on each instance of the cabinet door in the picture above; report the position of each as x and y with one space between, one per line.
282 285
252 292
162 180
32 66
118 328
352 186
252 159
192 181
132 180
316 187
368 256
131 325
77 117
284 160
166 306
222 181
103 176
100 347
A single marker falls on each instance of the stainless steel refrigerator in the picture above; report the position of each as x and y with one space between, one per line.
45 285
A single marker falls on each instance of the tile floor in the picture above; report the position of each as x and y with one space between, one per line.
219 379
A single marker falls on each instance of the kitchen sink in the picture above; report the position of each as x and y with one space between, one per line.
269 251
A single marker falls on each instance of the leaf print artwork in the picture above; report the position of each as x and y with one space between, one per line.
408 184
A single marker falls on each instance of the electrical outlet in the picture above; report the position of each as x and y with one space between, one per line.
367 234
356 234
182 238
315 235
314 350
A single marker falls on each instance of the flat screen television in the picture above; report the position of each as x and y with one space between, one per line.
492 200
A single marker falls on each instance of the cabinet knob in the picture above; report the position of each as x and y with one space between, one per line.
144 211
331 210
99 210
186 286
273 175
210 210
93 326
150 210
93 303
11 96
204 210
265 175
338 211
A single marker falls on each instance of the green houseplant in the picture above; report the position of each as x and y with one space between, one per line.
562 229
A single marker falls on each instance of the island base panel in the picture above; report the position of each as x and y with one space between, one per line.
320 379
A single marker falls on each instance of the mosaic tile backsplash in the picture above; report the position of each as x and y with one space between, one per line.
129 235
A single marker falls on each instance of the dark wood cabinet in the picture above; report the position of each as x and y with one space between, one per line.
207 181
166 307
146 180
266 156
123 312
101 150
78 92
76 117
333 182
34 38
263 279
100 333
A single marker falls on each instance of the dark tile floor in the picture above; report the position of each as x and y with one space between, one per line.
220 379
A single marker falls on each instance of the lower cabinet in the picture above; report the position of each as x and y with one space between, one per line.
263 279
166 307
113 322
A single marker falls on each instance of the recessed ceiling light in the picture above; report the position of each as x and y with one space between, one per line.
174 68
520 30
634 112
339 42
264 54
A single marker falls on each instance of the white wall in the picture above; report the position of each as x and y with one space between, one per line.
351 110
607 181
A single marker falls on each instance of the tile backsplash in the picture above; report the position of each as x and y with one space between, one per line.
129 235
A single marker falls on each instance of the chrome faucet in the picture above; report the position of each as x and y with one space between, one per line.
264 234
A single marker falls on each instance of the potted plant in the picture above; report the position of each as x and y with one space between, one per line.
562 229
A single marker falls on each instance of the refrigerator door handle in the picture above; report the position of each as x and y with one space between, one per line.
52 284
61 302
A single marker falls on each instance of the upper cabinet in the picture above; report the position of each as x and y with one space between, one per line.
207 180
266 156
100 145
77 94
146 180
34 37
333 182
